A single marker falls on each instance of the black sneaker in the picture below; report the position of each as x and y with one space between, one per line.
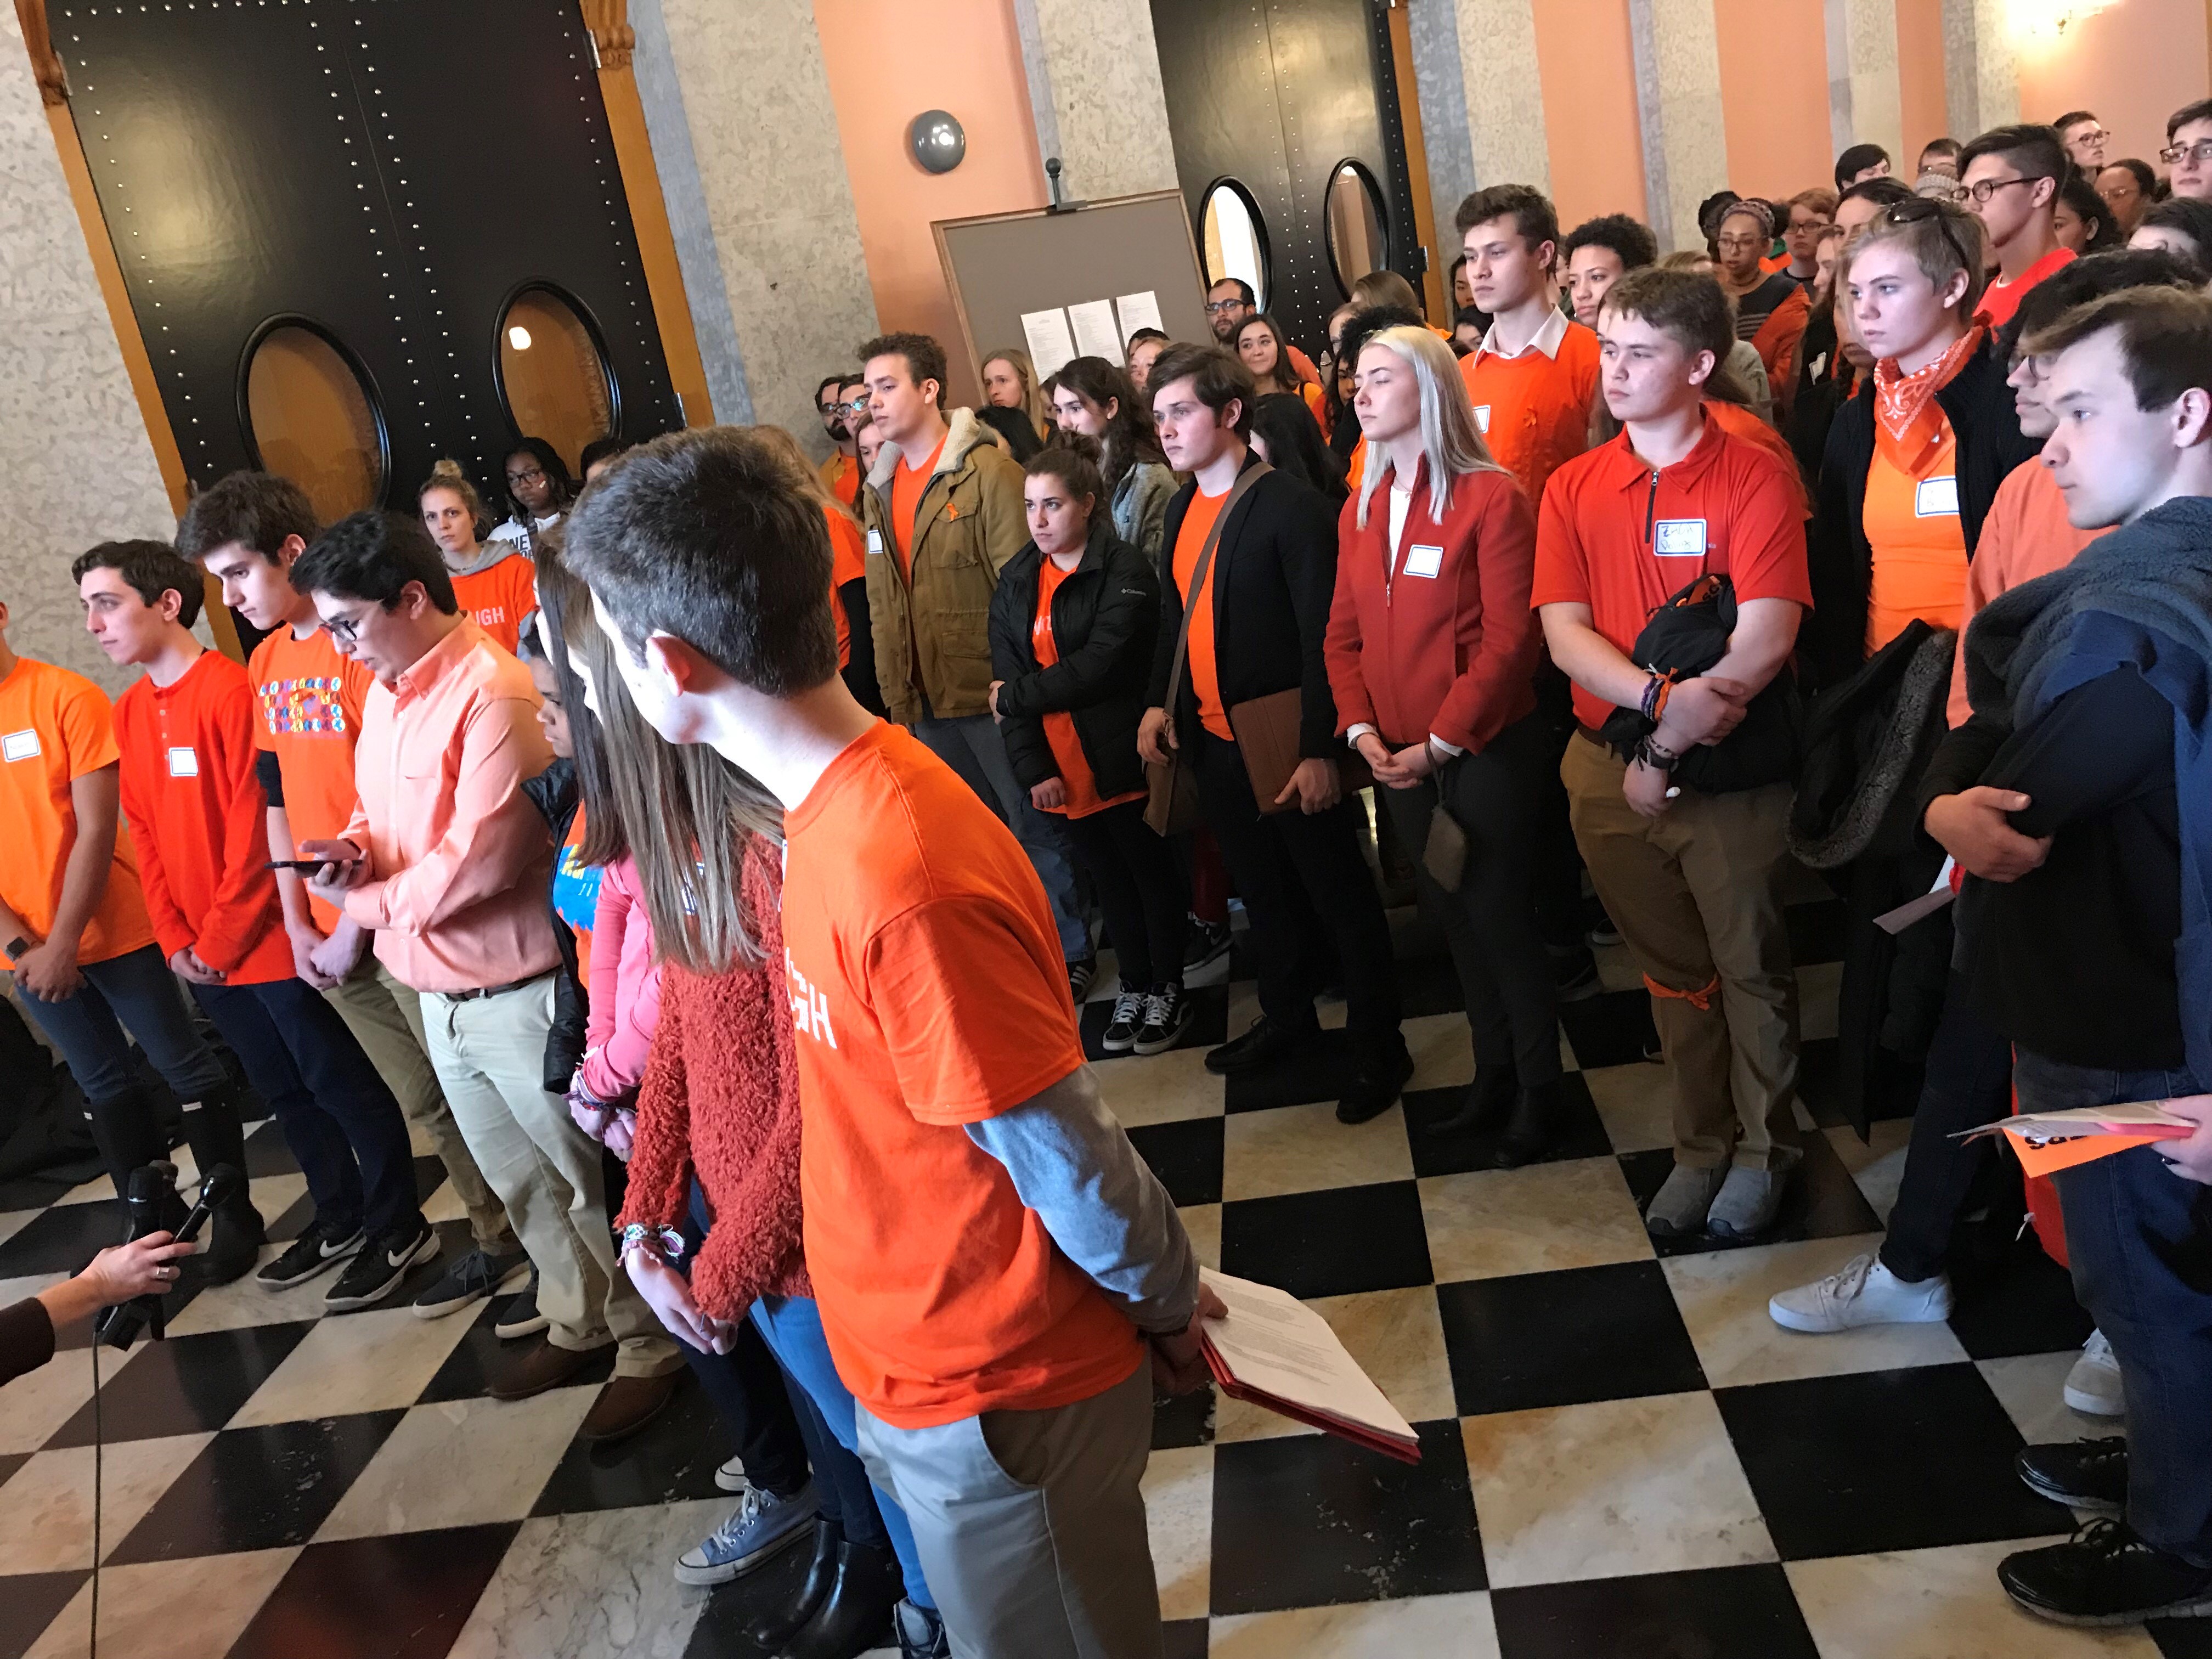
318 1249
2083 1475
1167 1017
474 1278
1263 1044
375 1273
519 1317
1378 1078
1121 1029
1080 975
1208 943
2105 1575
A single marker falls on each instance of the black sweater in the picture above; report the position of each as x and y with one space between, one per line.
2075 960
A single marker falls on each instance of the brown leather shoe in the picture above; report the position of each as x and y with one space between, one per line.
539 1367
626 1405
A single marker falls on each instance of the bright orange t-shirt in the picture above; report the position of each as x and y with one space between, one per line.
56 727
501 597
311 699
1083 799
928 993
841 477
1205 672
2025 535
848 562
909 484
1534 410
1919 545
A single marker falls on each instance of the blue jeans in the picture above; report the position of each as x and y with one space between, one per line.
793 1326
2141 1240
972 746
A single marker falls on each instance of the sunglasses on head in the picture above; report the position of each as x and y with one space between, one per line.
1922 207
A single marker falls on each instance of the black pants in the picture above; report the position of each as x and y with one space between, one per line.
1556 872
1490 921
1305 888
338 1116
751 1391
1968 1084
1141 892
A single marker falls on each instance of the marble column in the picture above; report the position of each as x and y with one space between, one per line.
1865 104
1094 76
77 465
1677 95
1482 99
746 140
1981 85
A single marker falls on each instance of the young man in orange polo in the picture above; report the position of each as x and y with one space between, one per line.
185 731
1001 1336
1690 877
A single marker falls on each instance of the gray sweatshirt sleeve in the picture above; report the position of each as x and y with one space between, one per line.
1072 1163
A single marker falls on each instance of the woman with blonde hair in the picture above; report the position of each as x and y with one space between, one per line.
1432 652
494 581
1010 381
848 578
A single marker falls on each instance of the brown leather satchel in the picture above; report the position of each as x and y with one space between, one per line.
1268 731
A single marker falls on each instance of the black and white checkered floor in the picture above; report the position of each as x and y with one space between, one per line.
1624 1458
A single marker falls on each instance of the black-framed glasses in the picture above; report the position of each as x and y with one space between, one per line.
860 405
1983 188
2175 154
2094 136
343 630
1215 307
1922 207
536 475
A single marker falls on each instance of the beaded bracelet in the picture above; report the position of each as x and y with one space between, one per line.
639 1237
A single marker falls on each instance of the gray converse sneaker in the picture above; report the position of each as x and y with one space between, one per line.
1679 1209
2093 1386
762 1525
1749 1202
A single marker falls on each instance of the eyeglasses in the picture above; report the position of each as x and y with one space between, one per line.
860 405
2094 136
1739 242
1924 207
1215 307
1985 189
2174 154
344 630
536 475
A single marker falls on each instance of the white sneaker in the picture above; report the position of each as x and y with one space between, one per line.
2092 1386
1864 1293
730 1476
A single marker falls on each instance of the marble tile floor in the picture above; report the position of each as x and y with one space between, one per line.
1622 1457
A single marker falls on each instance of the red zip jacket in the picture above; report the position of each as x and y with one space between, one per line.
200 821
1451 652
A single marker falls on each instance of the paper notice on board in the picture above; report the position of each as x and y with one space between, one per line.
1095 335
1139 311
1049 343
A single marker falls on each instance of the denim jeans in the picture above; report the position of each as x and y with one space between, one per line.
971 746
137 990
2141 1240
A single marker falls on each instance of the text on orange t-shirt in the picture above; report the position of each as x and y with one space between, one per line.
909 485
1083 799
499 599
928 993
311 699
1205 672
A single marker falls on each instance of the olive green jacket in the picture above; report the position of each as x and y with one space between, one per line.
933 628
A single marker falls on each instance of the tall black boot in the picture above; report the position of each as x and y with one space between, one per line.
124 1130
1484 1105
773 1629
235 1234
1535 1124
856 1615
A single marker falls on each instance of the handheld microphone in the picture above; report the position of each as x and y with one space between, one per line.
151 1189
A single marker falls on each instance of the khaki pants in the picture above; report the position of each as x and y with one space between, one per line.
386 1017
1694 893
1031 1524
490 1056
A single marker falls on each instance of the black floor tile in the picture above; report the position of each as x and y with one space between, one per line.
1717 1612
1610 1029
1186 1639
186 1385
1313 1519
2027 1306
1899 1459
29 1602
267 1154
429 1175
10 1463
1430 985
1185 1156
1185 1420
480 1355
259 1488
2181 1638
400 1597
1816 931
1565 1339
720 1631
1319 1069
1580 1134
64 1238
1209 1022
1892 1086
1822 1201
1331 1242
671 1460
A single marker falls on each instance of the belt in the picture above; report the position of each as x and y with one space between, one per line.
491 990
1593 735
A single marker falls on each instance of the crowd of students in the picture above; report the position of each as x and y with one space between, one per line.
703 861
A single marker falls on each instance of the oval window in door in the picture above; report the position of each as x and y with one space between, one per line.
552 372
1235 238
311 416
1357 242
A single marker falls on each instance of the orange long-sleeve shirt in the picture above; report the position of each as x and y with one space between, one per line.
200 821
1534 407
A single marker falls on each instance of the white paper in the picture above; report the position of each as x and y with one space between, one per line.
1274 1344
1139 311
1095 334
2135 1117
1897 921
1049 343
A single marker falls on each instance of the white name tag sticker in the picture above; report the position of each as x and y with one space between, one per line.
19 745
1937 498
1423 560
184 763
1482 419
876 543
1676 538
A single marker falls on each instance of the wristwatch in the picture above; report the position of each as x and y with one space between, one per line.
17 946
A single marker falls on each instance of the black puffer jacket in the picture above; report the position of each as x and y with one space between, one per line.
1105 619
554 793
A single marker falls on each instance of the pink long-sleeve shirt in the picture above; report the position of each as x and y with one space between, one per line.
625 986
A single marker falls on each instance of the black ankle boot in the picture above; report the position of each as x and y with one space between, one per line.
772 1630
123 1129
1535 1122
232 1243
856 1615
1488 1099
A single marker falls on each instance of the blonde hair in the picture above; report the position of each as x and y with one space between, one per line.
808 480
1385 288
1450 442
447 475
1032 403
1942 243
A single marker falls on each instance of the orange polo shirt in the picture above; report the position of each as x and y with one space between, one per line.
2025 535
927 993
1919 543
1083 797
56 727
1534 408
203 828
499 599
460 860
1205 672
311 701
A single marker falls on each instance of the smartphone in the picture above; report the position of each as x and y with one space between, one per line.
302 863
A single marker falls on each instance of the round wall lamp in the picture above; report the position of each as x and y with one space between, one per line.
938 140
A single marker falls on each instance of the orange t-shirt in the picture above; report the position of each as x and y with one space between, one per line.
499 599
1060 732
1315 406
56 727
928 993
2025 535
1534 410
311 699
848 562
2001 298
909 485
1919 545
1205 672
841 477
